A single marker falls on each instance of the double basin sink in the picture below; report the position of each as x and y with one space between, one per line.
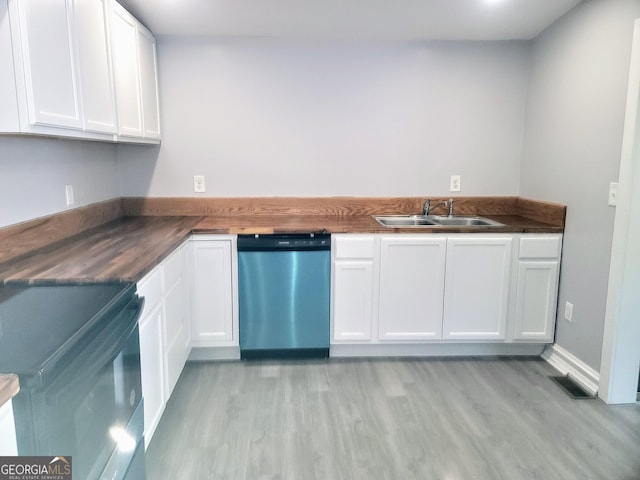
392 221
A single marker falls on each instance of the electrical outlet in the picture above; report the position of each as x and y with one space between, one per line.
568 311
454 183
68 190
198 184
613 194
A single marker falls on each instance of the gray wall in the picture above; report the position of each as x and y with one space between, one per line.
262 117
572 145
34 172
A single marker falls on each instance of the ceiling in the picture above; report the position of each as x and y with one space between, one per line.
352 19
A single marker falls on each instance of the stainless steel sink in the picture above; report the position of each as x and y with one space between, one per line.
404 221
392 221
465 221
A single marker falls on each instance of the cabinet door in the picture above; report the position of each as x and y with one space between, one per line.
211 301
536 296
177 331
411 287
94 59
152 368
124 42
148 83
352 300
476 288
9 117
8 444
46 34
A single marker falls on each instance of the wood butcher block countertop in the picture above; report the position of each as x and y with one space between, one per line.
124 250
145 231
9 387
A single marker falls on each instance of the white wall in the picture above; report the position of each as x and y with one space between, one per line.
269 118
34 172
572 145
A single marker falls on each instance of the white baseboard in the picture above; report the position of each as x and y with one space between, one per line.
569 364
434 349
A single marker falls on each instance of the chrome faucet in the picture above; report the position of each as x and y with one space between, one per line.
427 206
450 207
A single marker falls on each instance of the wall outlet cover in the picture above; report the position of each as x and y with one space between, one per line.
568 311
198 184
454 183
613 194
68 190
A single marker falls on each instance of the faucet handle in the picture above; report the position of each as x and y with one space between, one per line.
426 207
450 207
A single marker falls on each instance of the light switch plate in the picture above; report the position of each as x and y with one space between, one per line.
613 194
454 183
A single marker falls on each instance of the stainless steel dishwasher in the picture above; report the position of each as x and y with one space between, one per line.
283 288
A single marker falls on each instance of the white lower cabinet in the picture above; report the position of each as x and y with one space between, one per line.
165 341
353 288
177 326
446 288
412 270
212 294
8 443
152 367
477 288
537 288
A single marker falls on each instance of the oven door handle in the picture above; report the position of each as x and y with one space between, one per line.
100 351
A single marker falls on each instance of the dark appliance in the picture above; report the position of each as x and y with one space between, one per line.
284 295
76 351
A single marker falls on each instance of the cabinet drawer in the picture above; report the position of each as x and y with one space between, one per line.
151 288
540 247
354 247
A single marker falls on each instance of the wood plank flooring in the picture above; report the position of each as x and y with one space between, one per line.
394 419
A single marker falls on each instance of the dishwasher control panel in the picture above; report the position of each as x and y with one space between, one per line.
293 241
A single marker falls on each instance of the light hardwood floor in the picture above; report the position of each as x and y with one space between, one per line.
389 419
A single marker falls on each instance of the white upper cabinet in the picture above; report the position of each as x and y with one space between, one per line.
77 68
96 75
9 120
148 83
42 35
125 66
134 55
